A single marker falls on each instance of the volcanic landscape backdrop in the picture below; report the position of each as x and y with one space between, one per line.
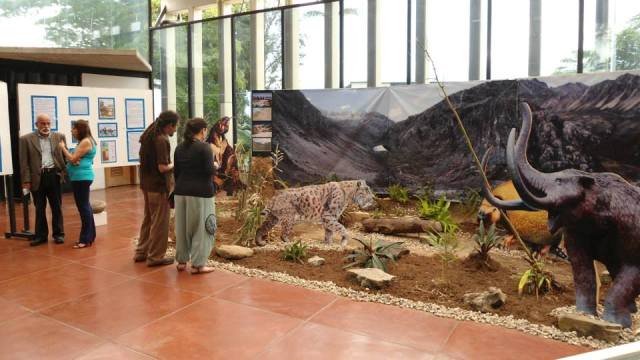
588 122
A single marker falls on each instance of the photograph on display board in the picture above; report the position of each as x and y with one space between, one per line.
261 99
44 105
106 108
262 114
107 130
133 145
78 106
262 144
261 129
134 112
108 153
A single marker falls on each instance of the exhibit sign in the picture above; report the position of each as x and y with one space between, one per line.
116 117
6 165
261 128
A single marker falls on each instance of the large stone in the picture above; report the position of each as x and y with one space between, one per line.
98 206
372 277
316 261
233 252
587 326
486 301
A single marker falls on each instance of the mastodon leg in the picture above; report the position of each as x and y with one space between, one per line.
622 294
584 277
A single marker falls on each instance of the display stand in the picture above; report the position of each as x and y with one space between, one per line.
13 233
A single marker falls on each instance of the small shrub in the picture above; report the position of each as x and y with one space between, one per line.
446 245
372 256
295 252
439 211
471 201
398 193
536 280
252 214
486 240
377 214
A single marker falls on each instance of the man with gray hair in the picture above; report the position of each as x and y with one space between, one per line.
41 168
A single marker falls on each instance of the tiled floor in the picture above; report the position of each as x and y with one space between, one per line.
95 303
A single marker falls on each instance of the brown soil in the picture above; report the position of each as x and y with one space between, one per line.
422 278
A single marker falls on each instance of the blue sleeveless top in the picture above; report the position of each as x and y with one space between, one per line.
84 170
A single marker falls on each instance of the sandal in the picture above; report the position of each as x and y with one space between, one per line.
80 245
202 270
181 267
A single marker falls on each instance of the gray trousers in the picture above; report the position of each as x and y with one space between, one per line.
195 229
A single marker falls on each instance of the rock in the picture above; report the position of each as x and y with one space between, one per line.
486 301
587 326
316 261
353 217
233 252
98 206
372 277
605 278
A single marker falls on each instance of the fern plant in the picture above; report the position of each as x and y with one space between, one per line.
536 279
437 210
398 193
486 240
295 252
372 255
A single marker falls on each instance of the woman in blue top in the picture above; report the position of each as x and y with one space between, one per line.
80 169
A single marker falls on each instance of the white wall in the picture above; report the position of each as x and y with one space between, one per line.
6 166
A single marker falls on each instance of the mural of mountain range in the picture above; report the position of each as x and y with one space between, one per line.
592 128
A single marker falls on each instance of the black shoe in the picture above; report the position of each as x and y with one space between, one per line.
139 258
58 240
36 242
161 262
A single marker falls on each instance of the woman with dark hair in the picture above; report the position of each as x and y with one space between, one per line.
156 182
80 169
194 198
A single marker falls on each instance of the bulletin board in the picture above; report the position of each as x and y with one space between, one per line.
116 117
6 166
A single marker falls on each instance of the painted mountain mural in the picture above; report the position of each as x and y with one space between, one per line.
592 127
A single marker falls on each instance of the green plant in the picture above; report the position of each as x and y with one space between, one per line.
471 201
446 245
377 214
437 210
295 252
251 200
536 279
486 240
398 193
372 255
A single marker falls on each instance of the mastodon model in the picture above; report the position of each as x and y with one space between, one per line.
600 216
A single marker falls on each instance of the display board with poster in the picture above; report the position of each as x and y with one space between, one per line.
111 113
6 166
261 124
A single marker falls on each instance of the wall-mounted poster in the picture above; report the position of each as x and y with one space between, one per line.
134 112
261 127
108 152
44 105
6 167
107 130
73 139
78 106
106 108
133 144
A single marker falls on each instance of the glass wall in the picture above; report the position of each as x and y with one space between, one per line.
611 42
120 24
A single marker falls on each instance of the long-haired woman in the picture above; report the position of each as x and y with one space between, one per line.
80 169
194 198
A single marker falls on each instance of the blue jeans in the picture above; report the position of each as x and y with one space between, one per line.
81 196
